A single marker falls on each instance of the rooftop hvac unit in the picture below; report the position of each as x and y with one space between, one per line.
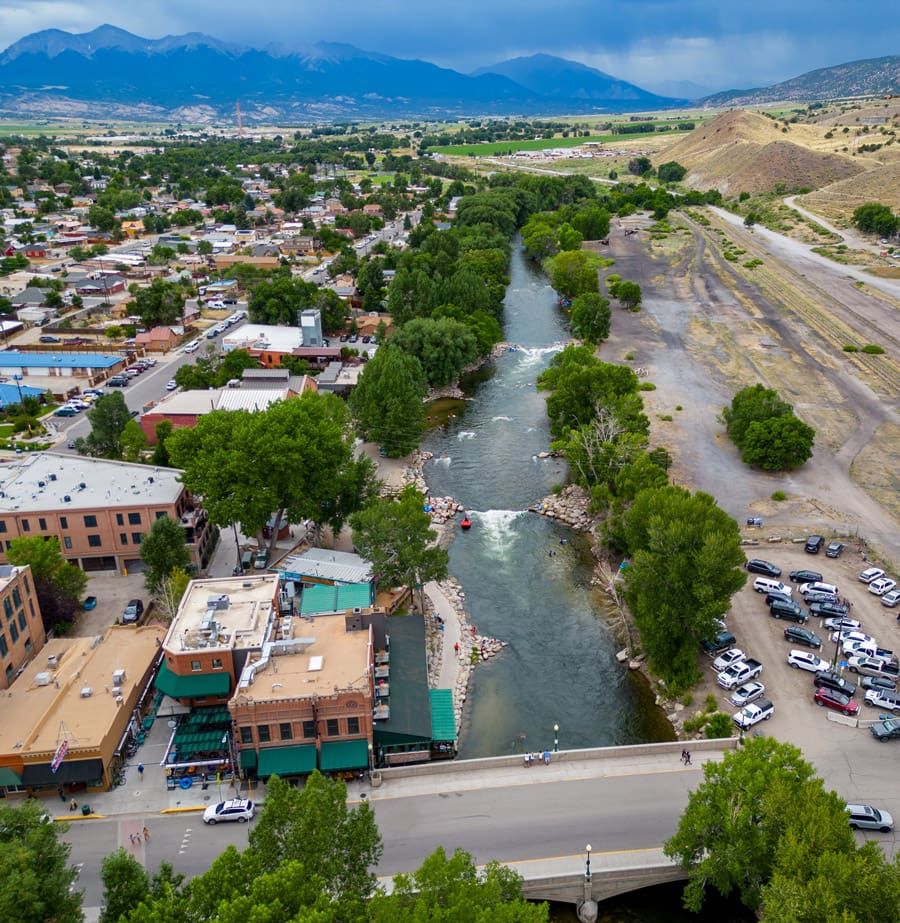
52 477
67 499
52 660
118 677
218 602
42 679
86 692
357 610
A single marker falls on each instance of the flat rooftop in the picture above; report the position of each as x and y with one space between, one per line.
312 657
44 481
49 701
327 564
227 613
263 336
11 359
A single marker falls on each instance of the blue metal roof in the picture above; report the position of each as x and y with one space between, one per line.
11 359
9 394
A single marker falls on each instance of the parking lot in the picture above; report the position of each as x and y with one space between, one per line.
849 758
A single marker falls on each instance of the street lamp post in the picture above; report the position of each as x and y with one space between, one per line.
371 765
556 738
17 379
587 863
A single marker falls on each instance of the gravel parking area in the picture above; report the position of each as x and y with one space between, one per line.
113 591
849 758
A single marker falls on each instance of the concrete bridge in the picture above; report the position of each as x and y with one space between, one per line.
623 801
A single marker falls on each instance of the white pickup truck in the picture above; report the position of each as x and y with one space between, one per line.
739 673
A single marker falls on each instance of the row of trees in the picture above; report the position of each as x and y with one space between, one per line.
766 430
763 826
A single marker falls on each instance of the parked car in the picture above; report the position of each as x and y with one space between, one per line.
817 586
768 585
884 699
237 809
827 608
805 576
745 694
865 817
879 682
873 666
834 681
882 585
758 566
261 558
192 347
751 714
788 610
48 338
171 384
724 639
65 411
889 729
782 597
891 598
870 574
724 661
834 549
802 636
842 635
90 602
133 611
836 700
814 544
840 621
806 660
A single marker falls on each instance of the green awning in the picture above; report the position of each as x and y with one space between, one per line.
344 754
196 685
248 759
287 761
9 777
443 718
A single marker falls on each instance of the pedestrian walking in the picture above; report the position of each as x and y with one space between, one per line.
684 756
146 833
62 794
131 837
141 771
73 805
687 757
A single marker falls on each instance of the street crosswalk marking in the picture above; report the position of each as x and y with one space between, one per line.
185 841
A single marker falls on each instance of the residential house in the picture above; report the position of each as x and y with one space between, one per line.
159 339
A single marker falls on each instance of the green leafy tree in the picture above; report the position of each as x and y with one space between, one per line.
719 725
125 885
387 401
752 405
591 317
160 453
731 832
638 166
103 219
629 295
671 172
592 222
163 551
443 346
36 882
314 826
108 418
58 585
132 442
876 219
396 536
294 460
159 304
574 272
454 889
686 565
569 238
778 444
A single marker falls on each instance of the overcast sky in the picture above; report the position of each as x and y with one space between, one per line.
718 44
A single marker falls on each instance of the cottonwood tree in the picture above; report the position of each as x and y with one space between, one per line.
743 824
294 461
36 882
387 401
160 303
58 584
686 565
443 346
396 536
108 418
778 444
164 551
591 317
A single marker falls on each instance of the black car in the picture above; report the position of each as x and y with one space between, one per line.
758 566
805 576
133 611
886 730
775 595
834 681
721 642
47 338
834 549
827 609
814 544
879 682
790 611
802 636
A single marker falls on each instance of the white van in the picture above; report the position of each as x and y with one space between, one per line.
768 585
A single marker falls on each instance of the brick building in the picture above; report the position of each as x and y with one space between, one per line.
22 632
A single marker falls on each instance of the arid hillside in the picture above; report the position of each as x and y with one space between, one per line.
839 200
746 152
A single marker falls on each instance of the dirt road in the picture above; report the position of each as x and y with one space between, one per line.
710 327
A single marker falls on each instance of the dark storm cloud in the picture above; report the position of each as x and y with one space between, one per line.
721 43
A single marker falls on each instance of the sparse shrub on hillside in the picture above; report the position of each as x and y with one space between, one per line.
873 349
850 348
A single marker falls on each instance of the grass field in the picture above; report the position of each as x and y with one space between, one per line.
493 148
